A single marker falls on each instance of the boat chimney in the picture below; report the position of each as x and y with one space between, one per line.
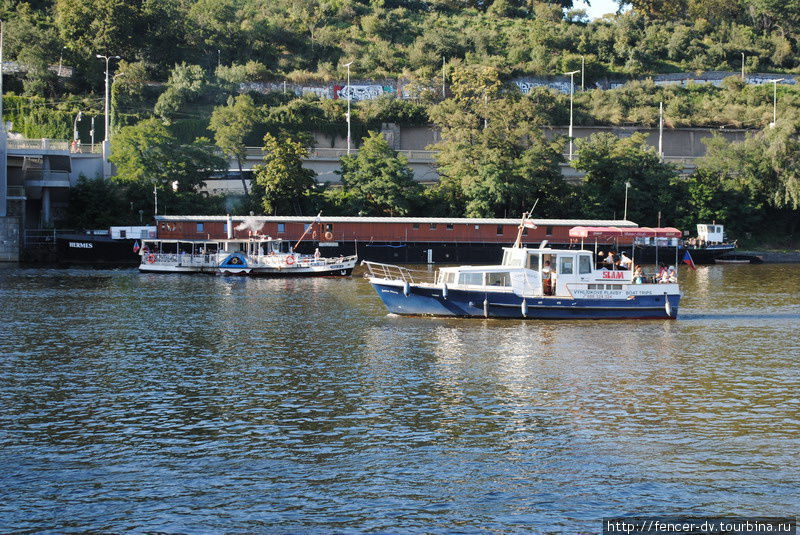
230 227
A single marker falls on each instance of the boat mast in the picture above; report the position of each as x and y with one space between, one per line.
317 220
525 216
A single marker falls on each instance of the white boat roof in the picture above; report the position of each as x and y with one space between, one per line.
421 220
258 239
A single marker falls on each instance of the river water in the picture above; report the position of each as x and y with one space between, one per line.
177 403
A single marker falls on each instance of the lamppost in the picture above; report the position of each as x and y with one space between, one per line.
571 92
625 214
742 66
75 126
349 92
106 146
775 101
60 60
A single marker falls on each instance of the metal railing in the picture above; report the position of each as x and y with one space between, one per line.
394 272
42 238
46 144
323 153
213 260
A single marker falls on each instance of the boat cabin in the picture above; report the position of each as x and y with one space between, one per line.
544 271
251 247
711 233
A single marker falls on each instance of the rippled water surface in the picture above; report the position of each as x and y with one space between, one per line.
207 404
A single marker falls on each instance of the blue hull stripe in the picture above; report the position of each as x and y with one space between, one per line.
429 301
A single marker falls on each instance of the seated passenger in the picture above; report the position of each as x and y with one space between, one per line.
638 275
624 261
672 275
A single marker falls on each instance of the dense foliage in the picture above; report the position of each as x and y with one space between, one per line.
183 63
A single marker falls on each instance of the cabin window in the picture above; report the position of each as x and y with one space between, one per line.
533 262
123 234
471 278
281 227
447 277
499 230
477 227
498 279
548 230
432 226
566 265
584 264
201 227
328 227
449 226
415 226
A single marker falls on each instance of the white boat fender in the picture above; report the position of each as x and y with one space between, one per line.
667 306
524 308
444 290
485 308
406 289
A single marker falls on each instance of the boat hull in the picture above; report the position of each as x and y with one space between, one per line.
343 270
419 300
648 254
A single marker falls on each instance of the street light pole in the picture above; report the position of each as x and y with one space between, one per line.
742 66
349 92
60 60
571 92
625 213
775 100
75 126
106 146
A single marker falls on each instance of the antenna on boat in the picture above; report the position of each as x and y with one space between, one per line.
523 223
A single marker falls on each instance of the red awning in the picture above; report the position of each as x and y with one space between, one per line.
604 233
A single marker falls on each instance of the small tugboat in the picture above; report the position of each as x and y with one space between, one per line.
541 283
709 245
259 256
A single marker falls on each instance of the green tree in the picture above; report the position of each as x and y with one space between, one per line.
231 125
33 42
283 177
379 180
609 163
186 84
493 159
149 153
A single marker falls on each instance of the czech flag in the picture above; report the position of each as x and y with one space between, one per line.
136 247
687 259
529 224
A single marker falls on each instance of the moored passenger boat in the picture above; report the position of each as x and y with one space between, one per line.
259 256
541 283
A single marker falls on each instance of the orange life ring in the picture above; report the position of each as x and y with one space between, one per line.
329 235
151 258
289 260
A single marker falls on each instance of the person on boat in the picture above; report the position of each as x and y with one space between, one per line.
547 278
638 275
317 254
600 259
672 276
624 261
610 260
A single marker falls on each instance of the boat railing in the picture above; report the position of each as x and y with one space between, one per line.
394 272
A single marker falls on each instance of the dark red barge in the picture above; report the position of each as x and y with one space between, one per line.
384 239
